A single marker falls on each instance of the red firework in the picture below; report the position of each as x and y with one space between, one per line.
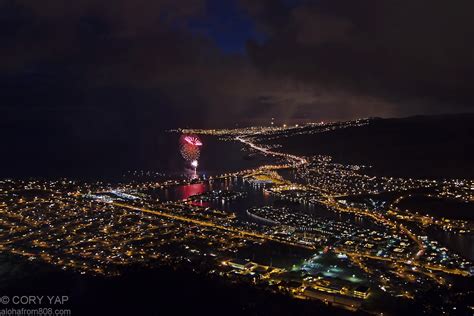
190 147
192 140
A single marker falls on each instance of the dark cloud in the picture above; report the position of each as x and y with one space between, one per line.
87 48
406 52
139 64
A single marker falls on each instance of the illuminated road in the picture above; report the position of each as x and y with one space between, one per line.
404 261
331 202
239 233
374 216
378 218
267 151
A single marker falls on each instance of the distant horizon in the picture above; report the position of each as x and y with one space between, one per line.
293 121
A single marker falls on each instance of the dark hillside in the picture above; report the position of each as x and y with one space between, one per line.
420 146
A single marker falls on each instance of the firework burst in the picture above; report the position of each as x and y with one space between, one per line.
190 147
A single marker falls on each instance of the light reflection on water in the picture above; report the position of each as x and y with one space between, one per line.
257 196
462 244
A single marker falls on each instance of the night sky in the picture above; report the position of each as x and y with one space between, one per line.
96 71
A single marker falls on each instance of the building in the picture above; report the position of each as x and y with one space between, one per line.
361 291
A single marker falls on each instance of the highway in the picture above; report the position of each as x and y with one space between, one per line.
239 233
298 160
331 202
375 216
404 261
